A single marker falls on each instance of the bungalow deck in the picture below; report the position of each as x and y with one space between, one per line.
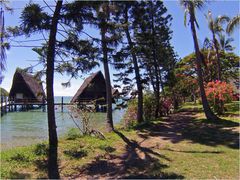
9 105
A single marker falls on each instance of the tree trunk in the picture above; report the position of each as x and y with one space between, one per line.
156 72
217 54
221 104
175 101
161 83
207 110
107 80
53 172
136 69
157 107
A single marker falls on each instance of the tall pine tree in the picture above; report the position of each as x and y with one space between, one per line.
153 36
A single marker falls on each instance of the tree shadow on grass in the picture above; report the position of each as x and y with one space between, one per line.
185 126
135 163
41 165
195 152
221 123
143 163
75 153
17 175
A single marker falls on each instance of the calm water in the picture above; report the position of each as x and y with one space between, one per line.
25 128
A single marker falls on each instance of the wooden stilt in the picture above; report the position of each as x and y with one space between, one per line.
12 103
62 105
1 105
5 107
43 105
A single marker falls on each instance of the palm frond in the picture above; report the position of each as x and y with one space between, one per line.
185 17
233 23
222 19
199 4
191 5
4 4
225 43
207 44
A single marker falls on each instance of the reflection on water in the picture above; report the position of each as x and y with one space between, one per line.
25 128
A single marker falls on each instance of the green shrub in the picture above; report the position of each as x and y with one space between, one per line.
41 149
148 110
73 133
148 106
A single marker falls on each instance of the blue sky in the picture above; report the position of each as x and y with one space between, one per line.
182 39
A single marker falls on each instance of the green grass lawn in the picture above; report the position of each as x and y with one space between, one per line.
74 152
231 114
206 150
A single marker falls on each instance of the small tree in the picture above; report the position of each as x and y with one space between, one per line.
85 116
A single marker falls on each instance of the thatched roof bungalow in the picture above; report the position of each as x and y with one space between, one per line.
4 92
93 88
26 87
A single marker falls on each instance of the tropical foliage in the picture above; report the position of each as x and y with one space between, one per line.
217 92
186 86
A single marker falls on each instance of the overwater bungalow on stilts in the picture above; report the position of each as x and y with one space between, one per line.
26 90
93 91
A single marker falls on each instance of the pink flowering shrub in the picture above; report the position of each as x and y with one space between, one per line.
218 93
166 106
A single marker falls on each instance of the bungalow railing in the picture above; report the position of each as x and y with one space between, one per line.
28 101
91 100
9 104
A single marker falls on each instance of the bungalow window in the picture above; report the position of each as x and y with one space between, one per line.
19 96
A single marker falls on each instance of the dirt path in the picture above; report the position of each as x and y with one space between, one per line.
142 152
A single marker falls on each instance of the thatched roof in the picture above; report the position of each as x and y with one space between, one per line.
28 85
85 84
3 92
97 79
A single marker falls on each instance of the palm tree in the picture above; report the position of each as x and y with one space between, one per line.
216 28
190 6
233 23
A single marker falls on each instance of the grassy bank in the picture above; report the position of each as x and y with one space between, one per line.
184 145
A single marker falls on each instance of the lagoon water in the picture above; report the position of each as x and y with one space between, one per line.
25 128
